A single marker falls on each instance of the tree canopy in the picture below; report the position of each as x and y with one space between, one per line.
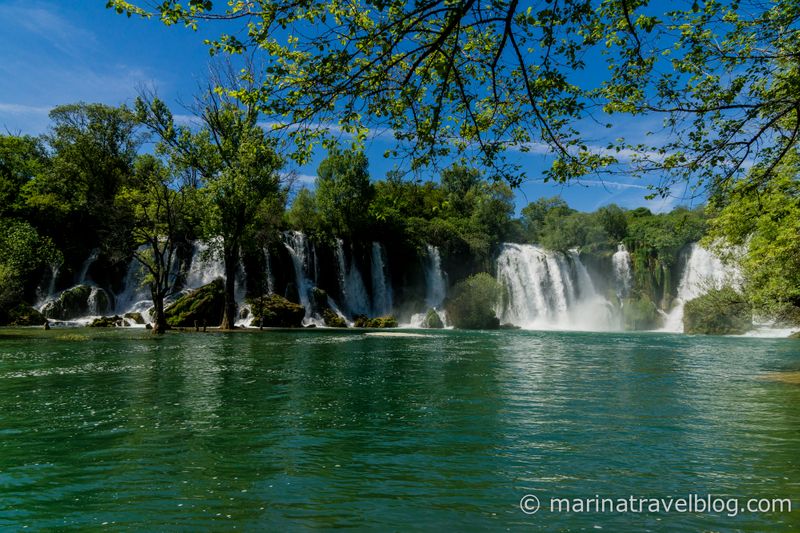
481 79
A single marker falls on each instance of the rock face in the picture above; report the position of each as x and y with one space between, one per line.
718 312
277 312
432 320
80 300
204 306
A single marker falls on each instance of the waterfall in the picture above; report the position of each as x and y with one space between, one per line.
270 276
86 265
93 306
622 271
381 284
550 290
703 271
435 284
51 287
206 265
135 295
295 243
354 293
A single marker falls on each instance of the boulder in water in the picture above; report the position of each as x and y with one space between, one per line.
432 320
107 322
362 321
277 312
205 305
136 318
332 320
78 301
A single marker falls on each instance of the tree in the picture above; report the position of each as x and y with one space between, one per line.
161 208
92 151
535 213
22 252
612 218
238 165
760 232
303 214
21 159
483 78
344 191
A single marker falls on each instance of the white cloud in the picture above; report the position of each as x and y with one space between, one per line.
20 109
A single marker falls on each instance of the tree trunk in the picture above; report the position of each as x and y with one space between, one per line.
231 265
159 318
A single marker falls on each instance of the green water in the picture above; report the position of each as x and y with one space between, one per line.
446 431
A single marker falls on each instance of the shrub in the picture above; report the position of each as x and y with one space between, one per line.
472 303
718 312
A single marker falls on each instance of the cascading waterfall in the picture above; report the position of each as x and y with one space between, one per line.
270 276
296 245
622 271
135 295
55 269
703 271
354 293
381 284
435 284
435 287
550 290
205 266
84 271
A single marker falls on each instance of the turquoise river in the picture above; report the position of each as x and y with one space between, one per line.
442 431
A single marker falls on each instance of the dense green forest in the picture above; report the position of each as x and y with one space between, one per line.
91 184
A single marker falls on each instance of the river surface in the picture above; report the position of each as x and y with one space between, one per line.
444 431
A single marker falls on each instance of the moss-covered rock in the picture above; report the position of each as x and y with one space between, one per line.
472 303
718 312
136 318
795 335
107 322
387 321
640 313
362 321
25 315
332 320
277 312
204 306
80 300
432 320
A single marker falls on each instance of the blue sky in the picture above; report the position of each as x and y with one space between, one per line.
56 52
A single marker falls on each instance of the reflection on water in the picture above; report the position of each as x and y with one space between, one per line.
334 429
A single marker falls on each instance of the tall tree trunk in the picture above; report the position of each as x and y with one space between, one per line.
159 318
231 264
